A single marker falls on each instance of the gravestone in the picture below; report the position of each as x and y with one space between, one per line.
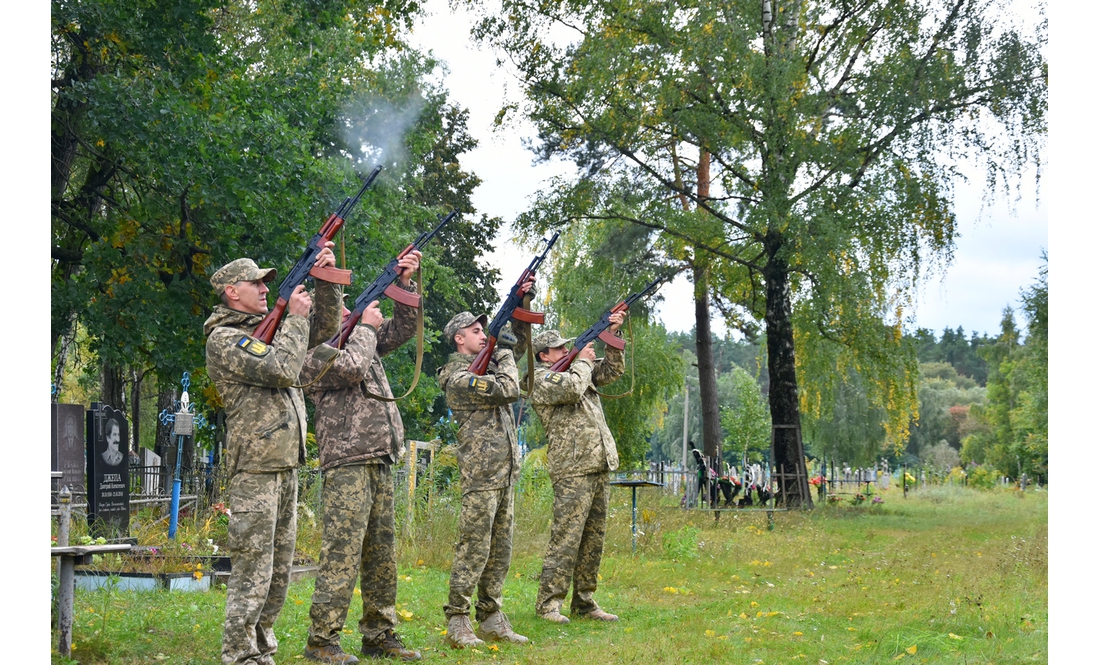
67 451
150 480
108 471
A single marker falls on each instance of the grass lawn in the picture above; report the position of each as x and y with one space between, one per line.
947 575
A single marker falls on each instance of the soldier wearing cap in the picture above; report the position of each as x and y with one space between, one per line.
489 465
359 437
580 455
265 443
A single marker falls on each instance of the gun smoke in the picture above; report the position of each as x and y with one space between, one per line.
375 127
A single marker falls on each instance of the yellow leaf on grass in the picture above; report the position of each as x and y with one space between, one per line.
743 615
754 604
493 647
954 636
671 589
912 651
798 632
405 614
709 633
759 614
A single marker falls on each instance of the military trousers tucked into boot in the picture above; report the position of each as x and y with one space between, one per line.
483 552
576 543
357 541
263 524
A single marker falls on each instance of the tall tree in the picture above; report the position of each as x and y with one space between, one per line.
832 130
187 133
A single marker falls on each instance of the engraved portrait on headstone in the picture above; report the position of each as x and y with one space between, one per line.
112 455
68 445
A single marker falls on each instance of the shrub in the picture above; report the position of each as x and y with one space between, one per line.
983 477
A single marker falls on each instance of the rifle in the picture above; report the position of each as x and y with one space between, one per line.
600 330
511 309
304 266
384 285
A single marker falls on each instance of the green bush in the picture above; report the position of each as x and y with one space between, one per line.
983 477
683 543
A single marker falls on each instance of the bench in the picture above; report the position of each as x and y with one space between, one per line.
70 557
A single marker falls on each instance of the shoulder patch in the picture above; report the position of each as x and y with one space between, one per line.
253 346
553 377
480 385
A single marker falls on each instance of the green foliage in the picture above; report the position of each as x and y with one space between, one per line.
817 146
954 349
983 477
946 402
1010 432
745 418
190 133
682 544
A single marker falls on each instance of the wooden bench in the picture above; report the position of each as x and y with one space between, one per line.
70 557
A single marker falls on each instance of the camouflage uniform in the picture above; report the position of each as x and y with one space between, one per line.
265 443
581 453
359 438
489 465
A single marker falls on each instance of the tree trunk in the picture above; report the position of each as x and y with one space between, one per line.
112 386
704 351
788 456
708 383
135 411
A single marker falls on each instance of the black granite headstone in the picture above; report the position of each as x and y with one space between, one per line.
108 471
67 453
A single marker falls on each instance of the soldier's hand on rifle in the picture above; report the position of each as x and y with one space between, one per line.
407 266
506 340
372 316
616 320
325 258
588 352
300 302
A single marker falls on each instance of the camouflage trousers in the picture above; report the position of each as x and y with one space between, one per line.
483 552
263 524
576 543
357 540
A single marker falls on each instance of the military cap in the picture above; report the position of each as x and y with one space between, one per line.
460 321
549 339
241 270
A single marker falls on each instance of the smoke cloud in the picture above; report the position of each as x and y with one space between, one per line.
375 127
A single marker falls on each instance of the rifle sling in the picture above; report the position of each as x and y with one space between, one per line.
419 347
630 332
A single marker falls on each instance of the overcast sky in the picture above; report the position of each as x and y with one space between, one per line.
998 251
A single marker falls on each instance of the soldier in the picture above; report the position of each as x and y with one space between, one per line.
489 465
266 441
580 456
359 437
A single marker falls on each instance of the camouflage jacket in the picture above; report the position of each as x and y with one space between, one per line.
579 441
488 454
353 427
265 413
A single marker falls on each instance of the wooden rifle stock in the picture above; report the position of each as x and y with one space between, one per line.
480 365
265 332
565 362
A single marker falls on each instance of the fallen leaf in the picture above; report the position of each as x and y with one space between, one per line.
912 651
954 636
709 633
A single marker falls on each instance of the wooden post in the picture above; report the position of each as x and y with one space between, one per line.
65 576
410 509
